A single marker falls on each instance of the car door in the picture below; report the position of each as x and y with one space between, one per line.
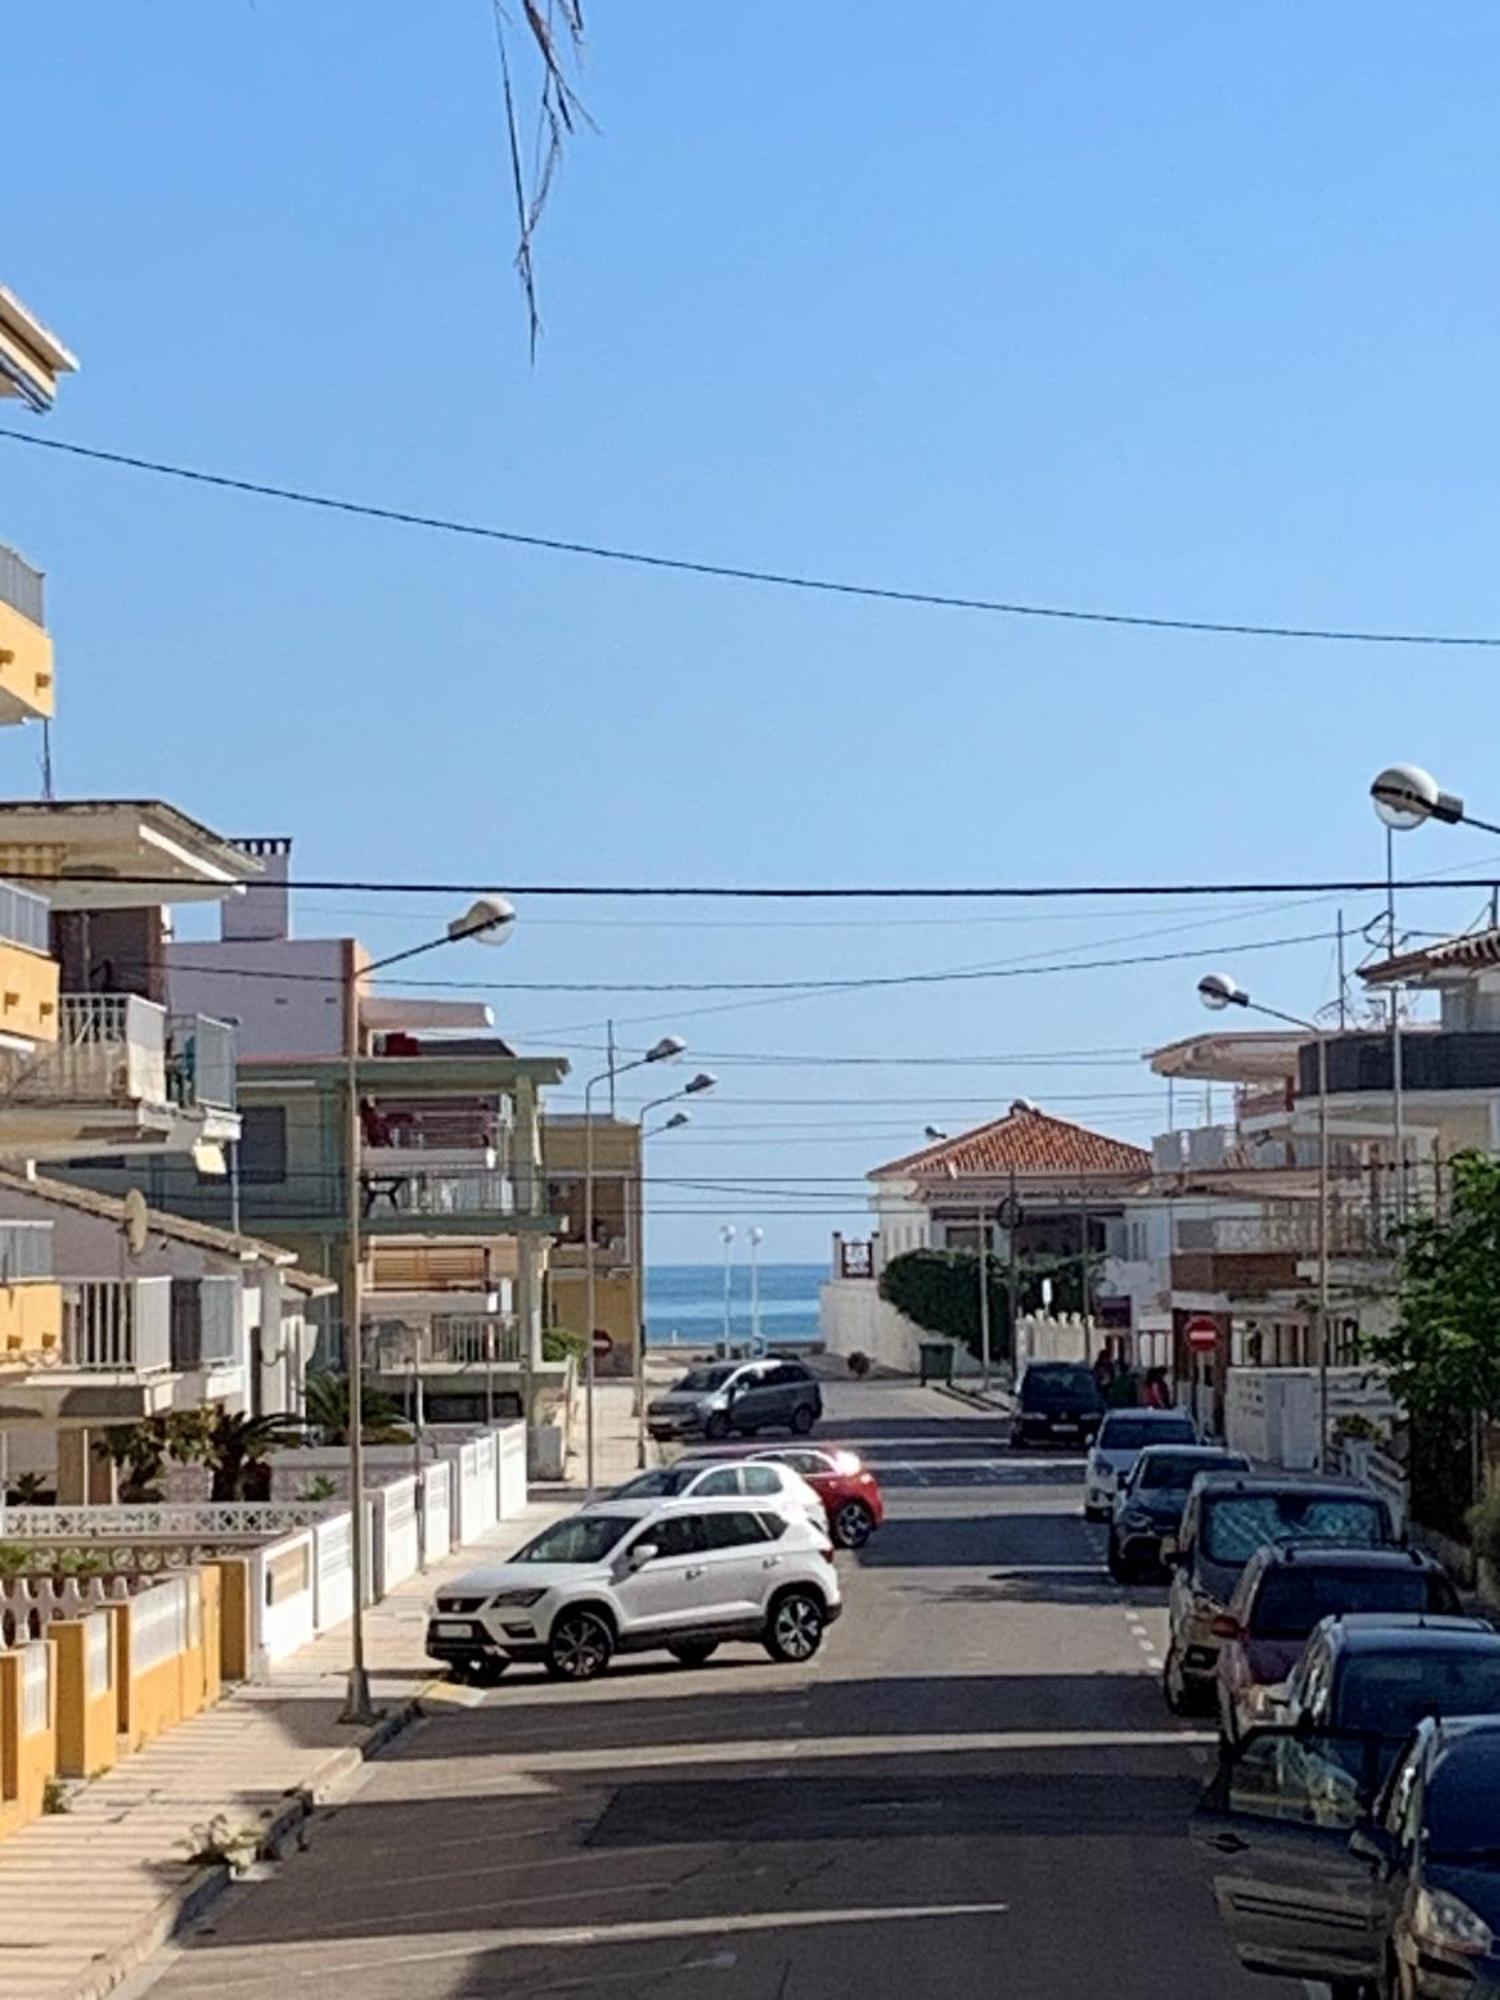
753 1402
723 1483
742 1561
1276 1822
775 1486
659 1595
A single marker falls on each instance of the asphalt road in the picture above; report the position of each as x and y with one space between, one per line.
974 1791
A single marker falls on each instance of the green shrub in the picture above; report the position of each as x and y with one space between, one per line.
1484 1528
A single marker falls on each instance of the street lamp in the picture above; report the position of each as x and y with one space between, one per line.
726 1237
933 1132
757 1237
666 1050
490 919
668 1124
694 1087
1405 795
1217 991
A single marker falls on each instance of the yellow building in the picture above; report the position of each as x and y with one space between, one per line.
619 1261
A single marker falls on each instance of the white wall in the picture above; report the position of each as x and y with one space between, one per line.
301 1014
854 1319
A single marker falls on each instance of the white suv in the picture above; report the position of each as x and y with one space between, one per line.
1121 1439
765 1484
633 1576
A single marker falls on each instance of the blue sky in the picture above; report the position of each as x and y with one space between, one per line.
1162 308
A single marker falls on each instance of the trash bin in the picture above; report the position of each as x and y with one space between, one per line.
937 1361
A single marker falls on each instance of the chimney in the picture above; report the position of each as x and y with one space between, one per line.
263 914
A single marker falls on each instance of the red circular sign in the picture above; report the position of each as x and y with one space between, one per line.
604 1344
1202 1332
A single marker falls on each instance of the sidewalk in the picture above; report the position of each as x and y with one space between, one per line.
86 1895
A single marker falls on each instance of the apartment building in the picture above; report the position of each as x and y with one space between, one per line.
619 1298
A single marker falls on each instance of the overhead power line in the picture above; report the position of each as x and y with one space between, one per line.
745 573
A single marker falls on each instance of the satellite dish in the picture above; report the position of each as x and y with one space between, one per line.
134 1222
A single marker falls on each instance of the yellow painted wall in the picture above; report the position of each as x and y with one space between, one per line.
30 1322
87 1740
163 1695
28 992
614 1311
25 666
26 1762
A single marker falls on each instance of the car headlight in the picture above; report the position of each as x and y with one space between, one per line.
1440 1919
516 1598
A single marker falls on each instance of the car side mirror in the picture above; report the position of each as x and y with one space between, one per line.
641 1554
1374 1843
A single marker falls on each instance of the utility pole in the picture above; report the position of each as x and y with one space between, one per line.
984 1301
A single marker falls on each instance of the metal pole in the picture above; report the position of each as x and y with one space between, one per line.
638 1306
489 1374
588 1271
728 1280
982 1234
418 1426
1343 1004
755 1288
1323 1249
1015 1282
1398 1106
358 1707
611 1068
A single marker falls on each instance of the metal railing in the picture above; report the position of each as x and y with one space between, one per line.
111 1049
24 918
25 1251
21 586
439 1191
120 1326
201 1062
462 1343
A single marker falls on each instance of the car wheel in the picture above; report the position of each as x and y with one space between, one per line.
580 1646
487 1673
803 1419
717 1426
693 1652
853 1524
794 1630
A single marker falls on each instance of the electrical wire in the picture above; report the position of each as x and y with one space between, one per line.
742 573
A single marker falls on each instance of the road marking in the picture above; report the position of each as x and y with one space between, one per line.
721 1961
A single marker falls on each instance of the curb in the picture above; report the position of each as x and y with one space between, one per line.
1000 1404
187 1902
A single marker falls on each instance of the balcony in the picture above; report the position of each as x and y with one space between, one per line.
1359 1065
1198 1149
448 1343
425 1200
26 690
30 1297
117 1327
441 1132
427 1280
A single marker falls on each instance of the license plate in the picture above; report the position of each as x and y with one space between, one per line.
1063 1427
448 1628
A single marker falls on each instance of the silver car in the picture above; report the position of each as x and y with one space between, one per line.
744 1396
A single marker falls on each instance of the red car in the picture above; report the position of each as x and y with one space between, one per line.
845 1485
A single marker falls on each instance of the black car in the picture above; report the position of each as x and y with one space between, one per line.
1057 1400
1149 1504
1385 1672
1402 1900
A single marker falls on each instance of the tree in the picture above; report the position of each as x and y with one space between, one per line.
1443 1353
236 1449
939 1290
139 1451
327 1403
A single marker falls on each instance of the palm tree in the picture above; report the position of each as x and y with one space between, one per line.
327 1404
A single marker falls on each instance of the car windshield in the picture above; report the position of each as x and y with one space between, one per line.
1054 1383
1164 1470
1135 1433
1291 1600
1237 1524
586 1538
1463 1803
697 1380
1392 1692
659 1483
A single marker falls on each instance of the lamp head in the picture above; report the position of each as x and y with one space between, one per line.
1217 991
1405 795
704 1080
678 1118
933 1132
726 1234
757 1235
491 919
664 1050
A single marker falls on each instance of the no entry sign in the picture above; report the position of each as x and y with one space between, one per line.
1202 1331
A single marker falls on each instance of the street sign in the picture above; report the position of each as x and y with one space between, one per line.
1202 1331
604 1346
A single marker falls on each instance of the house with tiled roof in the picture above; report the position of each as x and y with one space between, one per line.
1026 1183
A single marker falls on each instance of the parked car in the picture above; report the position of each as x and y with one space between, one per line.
1056 1400
744 1396
845 1485
1149 1503
1118 1443
1403 1900
1227 1518
773 1483
684 1576
1284 1591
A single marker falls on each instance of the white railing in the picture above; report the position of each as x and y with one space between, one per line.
438 1191
36 1688
201 1061
147 1521
159 1623
472 1343
111 1049
24 918
25 1251
119 1326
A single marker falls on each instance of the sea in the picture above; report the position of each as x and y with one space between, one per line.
685 1303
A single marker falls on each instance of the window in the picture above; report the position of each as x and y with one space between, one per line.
1135 1433
587 1538
718 1485
732 1531
1291 1600
1393 1692
760 1479
786 1375
676 1535
262 1145
1239 1523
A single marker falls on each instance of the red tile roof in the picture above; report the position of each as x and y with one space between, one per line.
1024 1141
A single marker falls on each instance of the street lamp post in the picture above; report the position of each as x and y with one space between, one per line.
663 1051
491 919
694 1087
757 1237
1217 991
726 1237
